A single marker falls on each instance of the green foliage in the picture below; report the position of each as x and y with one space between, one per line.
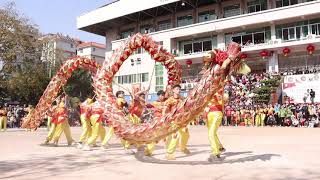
23 76
27 84
263 93
80 84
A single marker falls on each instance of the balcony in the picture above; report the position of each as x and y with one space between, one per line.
261 17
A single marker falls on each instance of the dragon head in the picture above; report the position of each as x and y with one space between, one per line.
227 62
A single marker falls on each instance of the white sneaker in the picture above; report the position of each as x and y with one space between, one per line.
129 151
79 145
86 148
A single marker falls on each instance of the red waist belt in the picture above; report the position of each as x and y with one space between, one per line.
215 108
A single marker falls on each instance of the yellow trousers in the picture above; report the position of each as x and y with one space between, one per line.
260 119
3 123
183 136
51 132
135 120
247 121
49 123
63 127
214 122
97 130
86 129
108 136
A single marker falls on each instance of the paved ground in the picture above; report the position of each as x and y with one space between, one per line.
252 153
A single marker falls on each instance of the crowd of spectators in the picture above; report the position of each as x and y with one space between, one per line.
13 114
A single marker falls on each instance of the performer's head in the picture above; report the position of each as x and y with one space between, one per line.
119 94
176 89
161 95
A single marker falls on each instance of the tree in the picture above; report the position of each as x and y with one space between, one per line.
28 83
23 75
80 84
263 93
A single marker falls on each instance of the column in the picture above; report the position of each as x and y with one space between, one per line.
273 62
273 32
221 40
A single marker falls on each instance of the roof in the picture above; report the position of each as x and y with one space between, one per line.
60 36
91 44
118 9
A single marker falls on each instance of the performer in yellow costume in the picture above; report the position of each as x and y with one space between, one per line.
97 128
135 112
214 117
3 119
53 121
85 121
158 107
183 134
62 124
121 102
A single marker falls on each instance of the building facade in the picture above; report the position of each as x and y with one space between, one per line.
56 49
92 50
266 29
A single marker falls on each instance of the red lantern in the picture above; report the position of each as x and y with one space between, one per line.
243 56
264 54
189 62
286 51
311 49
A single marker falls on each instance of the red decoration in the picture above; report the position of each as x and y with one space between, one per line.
286 51
264 54
189 62
221 56
243 56
311 49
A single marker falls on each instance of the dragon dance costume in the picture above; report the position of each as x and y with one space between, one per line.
53 124
182 135
85 120
62 125
97 128
214 114
121 102
3 119
158 107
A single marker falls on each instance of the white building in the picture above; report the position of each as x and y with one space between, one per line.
190 28
56 49
92 50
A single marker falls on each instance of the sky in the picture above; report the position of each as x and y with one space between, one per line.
53 16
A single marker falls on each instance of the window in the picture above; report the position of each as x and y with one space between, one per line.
282 3
71 45
206 16
163 25
256 6
207 45
80 50
146 29
197 46
257 36
187 49
298 30
133 78
144 77
93 49
159 77
184 20
232 10
126 33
